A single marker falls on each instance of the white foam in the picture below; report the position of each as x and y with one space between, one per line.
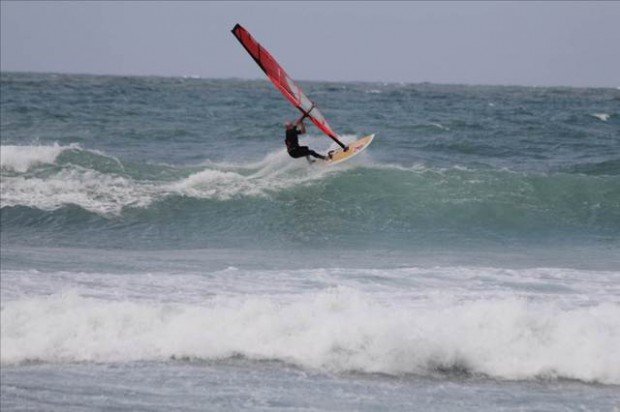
89 189
440 126
22 158
601 116
274 173
336 330
110 193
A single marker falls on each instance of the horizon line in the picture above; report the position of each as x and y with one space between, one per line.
392 82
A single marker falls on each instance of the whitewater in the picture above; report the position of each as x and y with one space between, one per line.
379 329
161 251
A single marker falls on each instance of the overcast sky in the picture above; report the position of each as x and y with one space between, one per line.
529 43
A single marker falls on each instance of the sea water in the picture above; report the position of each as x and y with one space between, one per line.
161 251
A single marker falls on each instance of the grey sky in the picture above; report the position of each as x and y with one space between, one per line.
554 43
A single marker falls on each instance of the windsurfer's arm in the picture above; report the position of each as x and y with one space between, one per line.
300 125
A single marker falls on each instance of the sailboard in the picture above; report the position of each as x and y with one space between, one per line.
283 82
353 149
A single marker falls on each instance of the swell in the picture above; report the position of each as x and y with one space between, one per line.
81 189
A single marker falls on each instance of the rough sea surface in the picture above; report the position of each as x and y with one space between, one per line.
161 251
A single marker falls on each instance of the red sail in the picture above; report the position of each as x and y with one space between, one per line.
282 80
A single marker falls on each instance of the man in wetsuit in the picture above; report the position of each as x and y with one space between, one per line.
293 130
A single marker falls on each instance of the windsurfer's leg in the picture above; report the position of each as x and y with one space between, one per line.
297 153
315 154
302 151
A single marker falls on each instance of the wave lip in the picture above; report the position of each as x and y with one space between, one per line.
339 330
23 158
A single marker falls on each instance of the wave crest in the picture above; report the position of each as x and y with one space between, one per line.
378 198
338 330
23 158
109 190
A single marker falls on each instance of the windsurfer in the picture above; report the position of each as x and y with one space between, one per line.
293 130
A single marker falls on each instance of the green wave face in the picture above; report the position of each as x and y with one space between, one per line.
283 203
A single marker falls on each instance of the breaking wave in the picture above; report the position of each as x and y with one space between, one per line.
339 330
279 197
22 158
101 184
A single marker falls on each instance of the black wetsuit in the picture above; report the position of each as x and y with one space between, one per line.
293 147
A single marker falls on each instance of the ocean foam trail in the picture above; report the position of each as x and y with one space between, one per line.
339 330
108 193
23 158
93 191
275 173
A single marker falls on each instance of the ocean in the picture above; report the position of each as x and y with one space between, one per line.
161 251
